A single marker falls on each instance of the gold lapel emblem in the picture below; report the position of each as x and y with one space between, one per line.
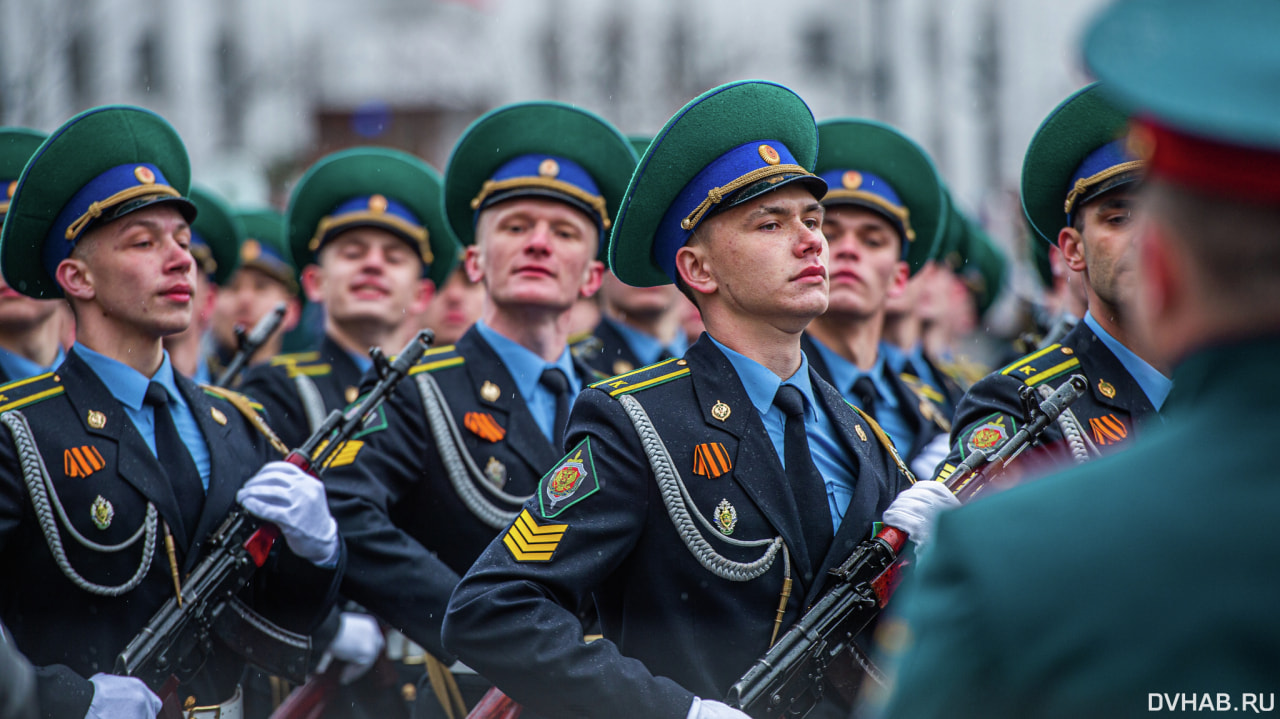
489 391
861 435
351 395
96 419
102 512
720 411
496 472
218 416
726 517
1106 389
621 367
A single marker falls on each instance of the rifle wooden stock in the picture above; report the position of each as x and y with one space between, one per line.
495 705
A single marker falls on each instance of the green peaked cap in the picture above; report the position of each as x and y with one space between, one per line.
218 227
78 156
326 192
265 247
535 128
17 145
1082 123
868 146
707 128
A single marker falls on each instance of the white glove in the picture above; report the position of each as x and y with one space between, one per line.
358 642
117 697
295 502
915 510
925 465
707 709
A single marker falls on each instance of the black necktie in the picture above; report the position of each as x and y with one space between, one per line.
554 380
865 391
806 483
172 452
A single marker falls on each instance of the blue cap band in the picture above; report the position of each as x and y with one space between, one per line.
1104 169
134 185
544 176
739 168
374 211
855 187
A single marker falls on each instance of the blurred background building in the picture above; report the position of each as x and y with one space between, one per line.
260 88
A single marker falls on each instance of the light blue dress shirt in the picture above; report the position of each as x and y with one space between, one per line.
526 368
18 367
1155 385
647 348
889 412
828 453
129 386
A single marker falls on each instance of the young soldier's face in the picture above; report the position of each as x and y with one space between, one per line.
865 269
454 308
367 274
139 272
19 313
247 298
1109 245
535 253
767 259
642 303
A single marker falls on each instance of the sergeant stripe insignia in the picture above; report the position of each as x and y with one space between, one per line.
484 426
345 454
711 460
1043 365
81 461
1107 429
529 541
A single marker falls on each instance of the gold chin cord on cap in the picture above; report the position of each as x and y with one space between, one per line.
130 193
716 194
1084 183
595 202
419 234
902 213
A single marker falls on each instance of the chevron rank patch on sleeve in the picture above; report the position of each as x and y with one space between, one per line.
529 541
345 454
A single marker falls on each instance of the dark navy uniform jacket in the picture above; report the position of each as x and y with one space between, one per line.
104 475
1109 412
409 534
278 383
608 352
599 528
925 419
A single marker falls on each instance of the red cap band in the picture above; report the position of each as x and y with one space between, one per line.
1244 173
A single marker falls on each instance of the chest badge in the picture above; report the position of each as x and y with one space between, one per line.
621 367
351 394
102 512
496 472
1106 388
96 419
81 461
726 517
217 415
861 435
489 392
720 411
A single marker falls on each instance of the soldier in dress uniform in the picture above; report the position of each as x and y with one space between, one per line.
1077 183
365 226
884 212
1104 591
114 457
701 549
531 190
454 307
216 236
266 277
30 329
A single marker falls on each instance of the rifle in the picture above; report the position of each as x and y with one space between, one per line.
249 342
175 644
788 681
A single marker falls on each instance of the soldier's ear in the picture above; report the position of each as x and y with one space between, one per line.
76 279
471 263
313 283
1071 243
693 263
594 277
